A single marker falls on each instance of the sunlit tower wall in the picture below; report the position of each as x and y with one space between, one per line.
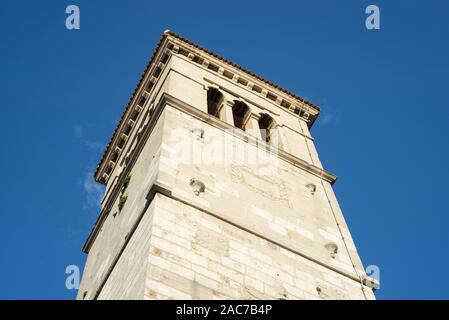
214 189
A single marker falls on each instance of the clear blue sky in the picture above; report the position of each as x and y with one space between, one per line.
383 128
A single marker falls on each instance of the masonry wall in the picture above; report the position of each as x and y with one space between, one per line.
256 232
189 82
127 279
269 198
262 209
194 255
118 224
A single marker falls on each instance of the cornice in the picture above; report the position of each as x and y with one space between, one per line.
176 44
167 99
220 124
161 190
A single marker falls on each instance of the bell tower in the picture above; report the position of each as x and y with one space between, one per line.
214 189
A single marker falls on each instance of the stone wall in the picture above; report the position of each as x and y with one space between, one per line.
127 279
271 199
194 255
259 230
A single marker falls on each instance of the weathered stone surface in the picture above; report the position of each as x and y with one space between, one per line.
258 225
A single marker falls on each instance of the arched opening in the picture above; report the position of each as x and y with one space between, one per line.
240 113
214 100
266 124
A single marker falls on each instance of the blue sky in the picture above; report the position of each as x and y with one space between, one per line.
384 98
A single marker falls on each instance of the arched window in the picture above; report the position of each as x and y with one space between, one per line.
240 113
214 100
266 124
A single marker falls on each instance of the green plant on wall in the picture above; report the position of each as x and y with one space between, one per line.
126 182
122 202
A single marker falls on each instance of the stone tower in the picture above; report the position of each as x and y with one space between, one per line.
214 189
